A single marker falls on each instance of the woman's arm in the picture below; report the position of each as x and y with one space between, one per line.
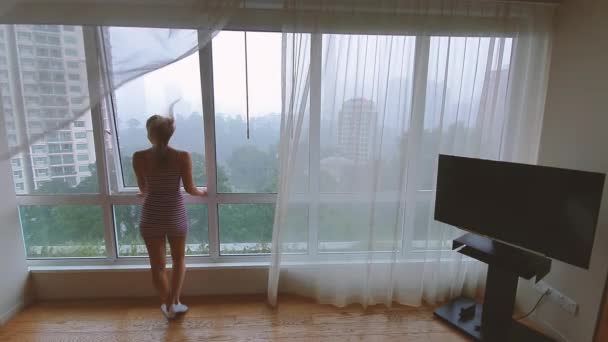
138 167
186 171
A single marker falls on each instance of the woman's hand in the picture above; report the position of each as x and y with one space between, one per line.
202 192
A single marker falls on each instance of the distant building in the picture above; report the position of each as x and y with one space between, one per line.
356 124
43 81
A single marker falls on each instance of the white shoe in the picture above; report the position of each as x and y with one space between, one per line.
179 308
169 314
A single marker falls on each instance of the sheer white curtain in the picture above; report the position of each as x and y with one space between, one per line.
371 97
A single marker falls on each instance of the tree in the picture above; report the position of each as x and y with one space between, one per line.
246 223
128 174
65 225
252 170
133 123
199 172
126 221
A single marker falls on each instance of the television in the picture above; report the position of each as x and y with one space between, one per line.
547 210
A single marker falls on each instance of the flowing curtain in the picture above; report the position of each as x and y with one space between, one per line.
134 53
372 95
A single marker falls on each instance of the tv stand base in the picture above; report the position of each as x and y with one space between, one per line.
450 314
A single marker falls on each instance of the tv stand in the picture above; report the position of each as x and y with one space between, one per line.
493 321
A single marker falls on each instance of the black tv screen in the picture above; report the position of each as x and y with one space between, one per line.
548 210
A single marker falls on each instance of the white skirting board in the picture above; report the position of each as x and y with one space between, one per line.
6 316
551 331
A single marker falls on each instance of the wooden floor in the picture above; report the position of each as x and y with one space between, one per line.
240 318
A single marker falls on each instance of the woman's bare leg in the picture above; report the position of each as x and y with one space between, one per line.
178 268
157 252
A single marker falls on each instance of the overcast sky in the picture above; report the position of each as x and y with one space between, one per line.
181 80
153 93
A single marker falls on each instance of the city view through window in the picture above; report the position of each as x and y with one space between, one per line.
43 81
42 85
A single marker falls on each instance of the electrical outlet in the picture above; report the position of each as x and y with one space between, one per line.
565 302
559 298
541 287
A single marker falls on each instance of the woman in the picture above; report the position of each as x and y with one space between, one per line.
159 170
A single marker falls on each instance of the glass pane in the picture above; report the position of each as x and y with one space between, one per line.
422 216
130 243
295 237
245 228
429 234
366 101
63 231
247 165
467 87
153 94
346 227
36 98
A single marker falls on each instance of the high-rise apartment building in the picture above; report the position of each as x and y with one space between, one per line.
356 122
43 82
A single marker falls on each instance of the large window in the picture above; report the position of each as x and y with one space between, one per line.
227 102
247 103
244 171
154 93
247 164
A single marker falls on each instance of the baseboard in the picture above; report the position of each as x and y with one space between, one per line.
548 328
6 316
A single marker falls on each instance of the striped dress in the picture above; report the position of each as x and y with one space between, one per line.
163 213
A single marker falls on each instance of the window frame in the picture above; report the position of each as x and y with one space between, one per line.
112 192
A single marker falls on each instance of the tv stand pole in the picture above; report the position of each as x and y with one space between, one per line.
493 321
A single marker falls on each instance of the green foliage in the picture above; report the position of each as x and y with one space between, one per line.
65 225
127 228
246 222
199 172
77 230
126 218
253 170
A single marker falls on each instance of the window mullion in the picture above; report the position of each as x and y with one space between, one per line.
316 47
421 65
114 167
236 198
63 199
206 70
95 96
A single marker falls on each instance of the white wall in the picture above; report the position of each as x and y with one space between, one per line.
13 268
575 135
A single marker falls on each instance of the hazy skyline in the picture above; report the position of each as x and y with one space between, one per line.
154 92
